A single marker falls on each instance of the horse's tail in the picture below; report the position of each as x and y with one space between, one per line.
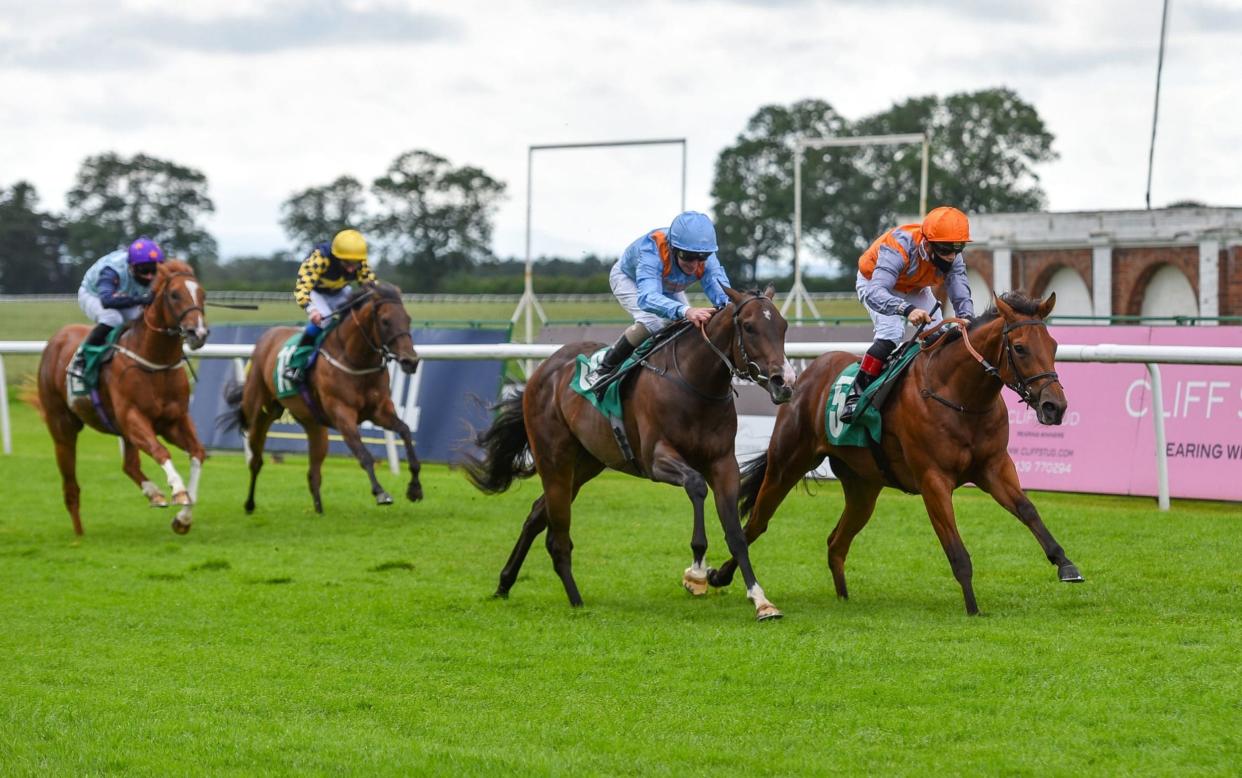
753 473
506 450
233 419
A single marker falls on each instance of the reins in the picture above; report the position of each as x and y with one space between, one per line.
752 372
378 346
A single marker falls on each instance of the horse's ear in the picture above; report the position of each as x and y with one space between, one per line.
770 292
1046 306
1002 306
732 293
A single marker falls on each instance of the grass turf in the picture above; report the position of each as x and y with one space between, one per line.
366 640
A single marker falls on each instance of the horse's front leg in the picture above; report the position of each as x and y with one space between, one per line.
387 418
185 436
137 429
1000 479
347 425
133 468
724 482
937 490
668 467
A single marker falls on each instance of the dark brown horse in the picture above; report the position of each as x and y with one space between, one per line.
944 425
680 422
142 393
348 386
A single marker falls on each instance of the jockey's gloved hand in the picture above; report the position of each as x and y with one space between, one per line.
146 299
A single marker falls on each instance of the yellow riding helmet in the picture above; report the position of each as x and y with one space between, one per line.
946 225
350 245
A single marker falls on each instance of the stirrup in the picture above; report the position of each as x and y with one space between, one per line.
591 380
850 407
294 375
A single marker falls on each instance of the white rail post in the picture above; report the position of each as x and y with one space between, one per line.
1162 459
4 410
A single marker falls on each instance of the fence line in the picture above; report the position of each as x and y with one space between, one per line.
1151 356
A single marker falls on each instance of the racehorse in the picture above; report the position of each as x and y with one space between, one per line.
680 422
141 393
945 425
348 386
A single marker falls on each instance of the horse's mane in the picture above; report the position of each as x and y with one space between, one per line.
384 289
1017 300
169 268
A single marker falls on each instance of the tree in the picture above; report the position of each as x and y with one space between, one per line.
434 219
116 199
30 241
316 214
984 148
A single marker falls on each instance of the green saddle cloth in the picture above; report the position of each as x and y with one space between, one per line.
610 405
96 356
867 424
292 355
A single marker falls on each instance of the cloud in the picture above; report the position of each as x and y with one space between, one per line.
1212 17
143 38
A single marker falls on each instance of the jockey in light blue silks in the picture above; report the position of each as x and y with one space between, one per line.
650 281
115 289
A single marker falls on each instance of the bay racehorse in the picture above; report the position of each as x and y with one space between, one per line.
944 425
142 393
679 419
348 386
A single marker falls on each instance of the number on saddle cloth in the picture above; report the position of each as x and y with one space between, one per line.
867 423
293 355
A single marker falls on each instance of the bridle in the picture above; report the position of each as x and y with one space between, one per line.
378 344
179 329
752 372
1022 385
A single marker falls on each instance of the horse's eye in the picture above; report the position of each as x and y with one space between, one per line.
750 328
176 295
1018 347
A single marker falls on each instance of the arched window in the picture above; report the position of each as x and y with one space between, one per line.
980 293
1073 299
1169 293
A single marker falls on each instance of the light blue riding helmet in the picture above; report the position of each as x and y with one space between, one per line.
693 231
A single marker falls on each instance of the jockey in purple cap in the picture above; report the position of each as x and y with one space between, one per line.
115 289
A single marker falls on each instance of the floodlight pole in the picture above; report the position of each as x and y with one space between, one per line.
529 305
798 293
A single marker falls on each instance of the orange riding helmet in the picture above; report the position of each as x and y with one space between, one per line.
946 225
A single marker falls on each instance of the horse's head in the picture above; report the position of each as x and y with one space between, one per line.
177 301
759 345
390 324
1029 355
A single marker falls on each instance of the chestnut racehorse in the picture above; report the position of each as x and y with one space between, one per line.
945 425
348 386
142 393
680 422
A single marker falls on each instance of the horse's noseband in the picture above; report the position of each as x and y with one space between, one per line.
751 371
1022 385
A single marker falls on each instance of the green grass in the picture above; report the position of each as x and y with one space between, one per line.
366 641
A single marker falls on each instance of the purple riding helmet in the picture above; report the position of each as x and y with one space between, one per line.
145 250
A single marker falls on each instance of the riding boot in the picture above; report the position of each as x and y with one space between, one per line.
870 369
296 373
613 357
97 337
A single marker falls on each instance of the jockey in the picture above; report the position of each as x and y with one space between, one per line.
895 276
114 291
323 285
650 281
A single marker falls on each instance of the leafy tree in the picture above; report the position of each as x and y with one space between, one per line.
984 146
434 219
316 214
30 242
116 199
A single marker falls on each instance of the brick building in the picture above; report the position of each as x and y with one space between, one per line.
1163 262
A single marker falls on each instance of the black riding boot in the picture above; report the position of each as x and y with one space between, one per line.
296 374
613 357
97 337
870 369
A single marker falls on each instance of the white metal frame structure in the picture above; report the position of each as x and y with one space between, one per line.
798 294
529 304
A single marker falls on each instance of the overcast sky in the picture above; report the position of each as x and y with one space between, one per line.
267 98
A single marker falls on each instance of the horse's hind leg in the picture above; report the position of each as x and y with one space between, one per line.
65 436
1001 481
937 491
860 497
133 469
317 440
348 428
256 439
558 492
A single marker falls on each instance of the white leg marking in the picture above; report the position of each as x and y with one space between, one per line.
149 489
196 471
174 478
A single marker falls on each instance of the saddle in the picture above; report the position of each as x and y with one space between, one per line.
293 355
94 358
867 425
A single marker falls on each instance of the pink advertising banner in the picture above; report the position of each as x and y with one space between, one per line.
1107 442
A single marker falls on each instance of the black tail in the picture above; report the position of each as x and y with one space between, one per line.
234 419
506 450
752 478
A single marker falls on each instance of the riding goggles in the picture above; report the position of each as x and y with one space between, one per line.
146 269
693 256
948 249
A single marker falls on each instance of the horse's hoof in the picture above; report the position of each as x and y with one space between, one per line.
696 586
1070 574
500 595
249 508
157 500
767 612
414 493
715 579
383 498
180 527
181 498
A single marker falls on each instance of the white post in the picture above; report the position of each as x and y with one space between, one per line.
1162 460
1101 276
4 410
798 293
1209 278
